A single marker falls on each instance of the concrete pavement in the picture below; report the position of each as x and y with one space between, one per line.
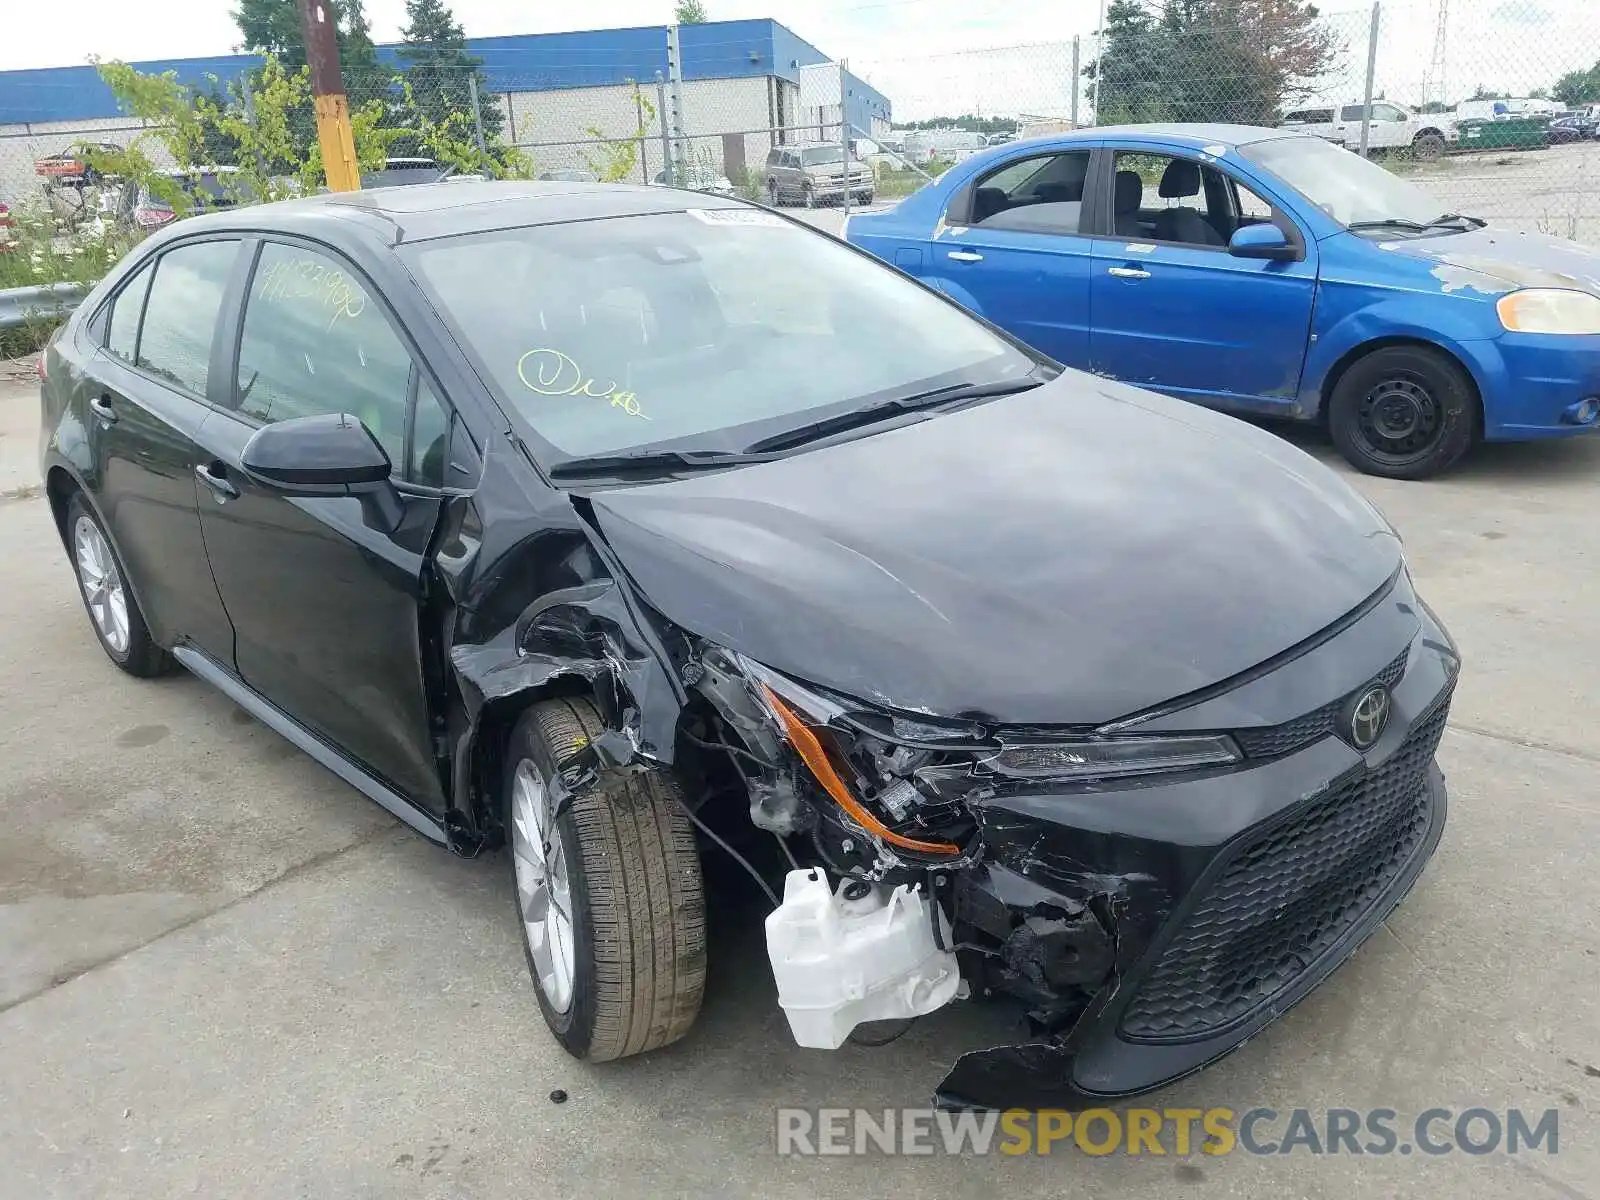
223 973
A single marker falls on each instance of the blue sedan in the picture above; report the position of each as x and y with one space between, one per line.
1269 272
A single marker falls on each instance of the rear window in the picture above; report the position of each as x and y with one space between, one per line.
610 335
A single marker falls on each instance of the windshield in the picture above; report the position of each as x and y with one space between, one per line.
1346 186
822 154
707 330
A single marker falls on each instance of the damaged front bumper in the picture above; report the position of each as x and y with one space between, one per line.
1219 902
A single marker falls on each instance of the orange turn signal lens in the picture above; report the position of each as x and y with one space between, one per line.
810 750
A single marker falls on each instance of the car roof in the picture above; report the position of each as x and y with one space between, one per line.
1199 133
430 210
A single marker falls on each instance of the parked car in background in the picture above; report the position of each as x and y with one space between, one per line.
1574 127
202 189
1391 127
1264 271
812 173
695 177
585 521
72 183
950 145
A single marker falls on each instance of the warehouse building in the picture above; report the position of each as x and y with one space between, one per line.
562 93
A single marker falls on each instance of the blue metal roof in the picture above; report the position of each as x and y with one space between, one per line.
523 62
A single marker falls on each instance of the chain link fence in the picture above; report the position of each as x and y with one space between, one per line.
1491 105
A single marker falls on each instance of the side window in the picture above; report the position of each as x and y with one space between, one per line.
314 342
1163 198
1387 112
1043 194
122 334
1350 112
1252 208
180 314
430 438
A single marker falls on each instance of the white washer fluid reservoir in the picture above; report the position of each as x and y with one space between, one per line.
839 962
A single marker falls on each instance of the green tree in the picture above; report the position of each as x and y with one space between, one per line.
273 27
438 67
1209 60
690 12
1578 87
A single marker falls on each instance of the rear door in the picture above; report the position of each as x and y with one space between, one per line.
1014 248
326 595
143 402
1174 311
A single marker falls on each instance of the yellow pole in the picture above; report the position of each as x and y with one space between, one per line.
334 134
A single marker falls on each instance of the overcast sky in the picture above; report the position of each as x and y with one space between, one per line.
928 56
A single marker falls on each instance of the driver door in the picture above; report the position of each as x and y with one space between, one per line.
1173 310
324 595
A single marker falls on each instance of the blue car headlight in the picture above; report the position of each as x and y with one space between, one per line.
1550 310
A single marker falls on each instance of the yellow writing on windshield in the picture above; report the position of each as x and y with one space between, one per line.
313 280
552 373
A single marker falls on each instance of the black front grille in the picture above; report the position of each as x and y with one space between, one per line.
1318 723
1287 897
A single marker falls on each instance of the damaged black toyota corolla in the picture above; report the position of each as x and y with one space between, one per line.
594 520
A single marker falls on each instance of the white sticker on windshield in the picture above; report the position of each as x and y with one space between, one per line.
735 216
1215 151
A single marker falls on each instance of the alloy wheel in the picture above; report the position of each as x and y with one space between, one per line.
544 893
102 584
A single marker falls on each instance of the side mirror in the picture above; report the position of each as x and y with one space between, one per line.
328 454
1264 240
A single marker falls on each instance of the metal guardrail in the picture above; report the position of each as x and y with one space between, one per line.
18 305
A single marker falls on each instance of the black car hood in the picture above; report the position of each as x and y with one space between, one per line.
1069 555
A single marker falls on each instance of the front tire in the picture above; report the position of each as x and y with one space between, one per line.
114 613
608 894
1403 412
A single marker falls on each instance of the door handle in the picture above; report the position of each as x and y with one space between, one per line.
1129 272
207 473
966 256
101 406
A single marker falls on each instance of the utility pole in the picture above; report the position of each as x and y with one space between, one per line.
327 89
680 146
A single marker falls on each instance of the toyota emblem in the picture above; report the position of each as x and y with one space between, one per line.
1369 717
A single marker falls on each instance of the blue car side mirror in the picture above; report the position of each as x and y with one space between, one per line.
1262 240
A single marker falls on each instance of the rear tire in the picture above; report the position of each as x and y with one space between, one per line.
632 876
114 613
1426 147
1403 412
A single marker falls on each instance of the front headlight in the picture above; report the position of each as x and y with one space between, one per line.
1550 310
1099 758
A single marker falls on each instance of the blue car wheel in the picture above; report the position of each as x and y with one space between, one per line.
1404 412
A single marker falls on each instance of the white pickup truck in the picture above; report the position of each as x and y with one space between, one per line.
1426 135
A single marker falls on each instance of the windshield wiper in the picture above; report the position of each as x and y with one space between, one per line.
873 413
656 461
1448 219
1390 223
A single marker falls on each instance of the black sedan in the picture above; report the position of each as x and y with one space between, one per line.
625 525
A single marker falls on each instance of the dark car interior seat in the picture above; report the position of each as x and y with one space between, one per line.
1179 181
1125 204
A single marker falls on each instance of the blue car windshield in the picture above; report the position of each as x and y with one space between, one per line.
1347 187
702 330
